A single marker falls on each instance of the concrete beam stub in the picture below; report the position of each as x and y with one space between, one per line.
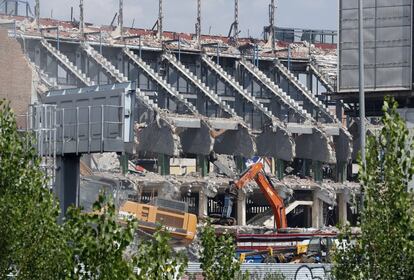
235 142
276 143
317 146
159 137
197 140
343 145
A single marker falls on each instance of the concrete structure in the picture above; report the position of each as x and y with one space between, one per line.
197 94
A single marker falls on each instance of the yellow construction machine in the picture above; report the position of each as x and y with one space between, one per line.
172 215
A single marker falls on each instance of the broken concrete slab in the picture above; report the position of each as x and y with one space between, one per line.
276 143
196 140
159 137
316 146
235 142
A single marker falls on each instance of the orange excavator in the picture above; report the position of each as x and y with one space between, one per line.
255 173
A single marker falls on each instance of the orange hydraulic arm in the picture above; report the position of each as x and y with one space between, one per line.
275 201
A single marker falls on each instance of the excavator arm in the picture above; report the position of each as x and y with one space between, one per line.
255 173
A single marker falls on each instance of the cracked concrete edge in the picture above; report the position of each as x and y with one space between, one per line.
159 136
276 142
316 146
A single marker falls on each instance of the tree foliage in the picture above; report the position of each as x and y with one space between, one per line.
218 255
156 260
30 239
97 242
385 248
33 245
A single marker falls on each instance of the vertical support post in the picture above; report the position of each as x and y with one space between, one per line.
241 208
317 171
342 209
202 165
58 38
179 48
81 20
140 47
317 211
361 80
202 204
124 163
272 9
163 164
236 20
218 53
280 165
289 57
198 24
100 41
67 182
121 19
341 171
240 166
361 88
160 19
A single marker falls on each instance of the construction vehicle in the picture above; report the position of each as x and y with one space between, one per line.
254 173
171 215
315 250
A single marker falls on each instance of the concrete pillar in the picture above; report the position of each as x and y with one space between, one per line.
317 211
120 62
317 171
37 55
341 171
202 204
67 182
342 209
280 165
202 165
123 160
163 164
239 164
309 81
241 208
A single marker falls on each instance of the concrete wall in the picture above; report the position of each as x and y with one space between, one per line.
15 74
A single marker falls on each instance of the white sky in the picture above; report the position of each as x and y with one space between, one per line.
179 15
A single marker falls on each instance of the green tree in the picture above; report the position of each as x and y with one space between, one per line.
218 255
156 260
31 242
385 247
97 242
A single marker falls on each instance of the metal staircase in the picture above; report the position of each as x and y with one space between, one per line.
160 81
270 85
67 63
200 85
231 81
104 63
304 91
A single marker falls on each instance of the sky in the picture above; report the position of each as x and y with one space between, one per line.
217 15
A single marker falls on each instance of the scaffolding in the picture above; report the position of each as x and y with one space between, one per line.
40 121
